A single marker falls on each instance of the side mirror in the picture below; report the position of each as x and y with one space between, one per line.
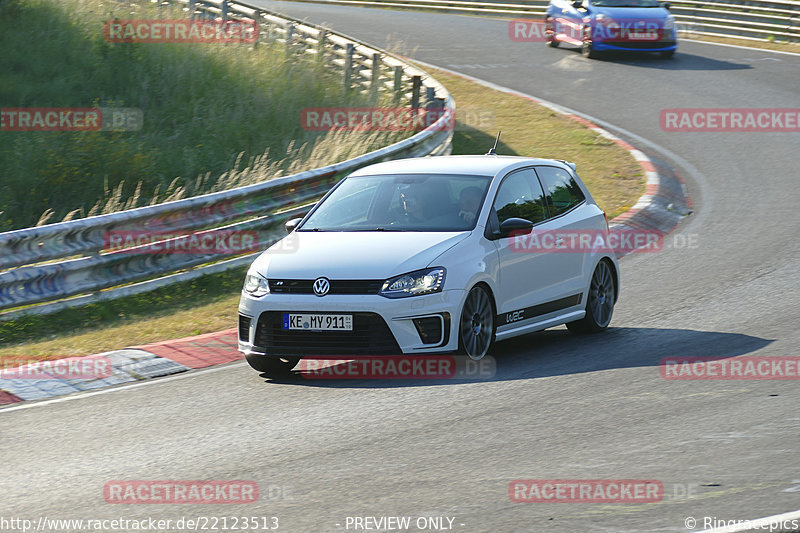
577 4
666 5
291 224
517 226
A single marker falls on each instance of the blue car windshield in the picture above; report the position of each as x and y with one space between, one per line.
406 202
626 3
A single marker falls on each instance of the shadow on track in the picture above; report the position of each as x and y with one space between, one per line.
681 61
557 352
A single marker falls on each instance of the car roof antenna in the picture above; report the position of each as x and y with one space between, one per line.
493 151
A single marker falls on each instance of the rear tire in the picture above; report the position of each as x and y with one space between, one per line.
667 54
600 302
271 365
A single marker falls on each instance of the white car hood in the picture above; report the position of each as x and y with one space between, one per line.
353 255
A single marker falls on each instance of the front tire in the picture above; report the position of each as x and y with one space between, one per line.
271 365
599 304
476 325
587 48
550 32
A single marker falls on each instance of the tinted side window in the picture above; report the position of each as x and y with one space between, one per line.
521 196
562 192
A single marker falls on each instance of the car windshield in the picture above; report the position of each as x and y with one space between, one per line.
408 202
626 3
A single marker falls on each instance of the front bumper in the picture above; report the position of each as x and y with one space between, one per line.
381 326
661 45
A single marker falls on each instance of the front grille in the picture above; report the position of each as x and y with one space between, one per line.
429 329
244 328
338 286
370 336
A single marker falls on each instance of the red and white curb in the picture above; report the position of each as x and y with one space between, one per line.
129 365
654 210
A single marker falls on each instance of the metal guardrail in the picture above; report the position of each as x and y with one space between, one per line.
756 20
69 261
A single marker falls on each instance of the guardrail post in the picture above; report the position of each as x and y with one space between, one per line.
375 82
192 8
432 105
224 10
416 85
430 97
398 82
257 29
267 29
323 36
348 65
289 36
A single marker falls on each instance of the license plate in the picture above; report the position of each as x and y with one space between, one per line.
644 36
317 322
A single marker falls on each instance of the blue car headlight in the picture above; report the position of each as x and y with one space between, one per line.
256 285
425 281
669 22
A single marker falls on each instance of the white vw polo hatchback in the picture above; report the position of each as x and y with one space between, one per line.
430 255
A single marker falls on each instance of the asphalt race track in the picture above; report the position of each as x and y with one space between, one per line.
560 406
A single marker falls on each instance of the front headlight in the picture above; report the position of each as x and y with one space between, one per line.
603 19
669 23
256 285
425 281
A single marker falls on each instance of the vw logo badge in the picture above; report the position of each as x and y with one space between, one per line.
321 286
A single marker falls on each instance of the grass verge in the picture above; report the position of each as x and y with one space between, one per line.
528 129
781 46
210 304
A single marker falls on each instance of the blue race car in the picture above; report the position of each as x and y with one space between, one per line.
606 25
